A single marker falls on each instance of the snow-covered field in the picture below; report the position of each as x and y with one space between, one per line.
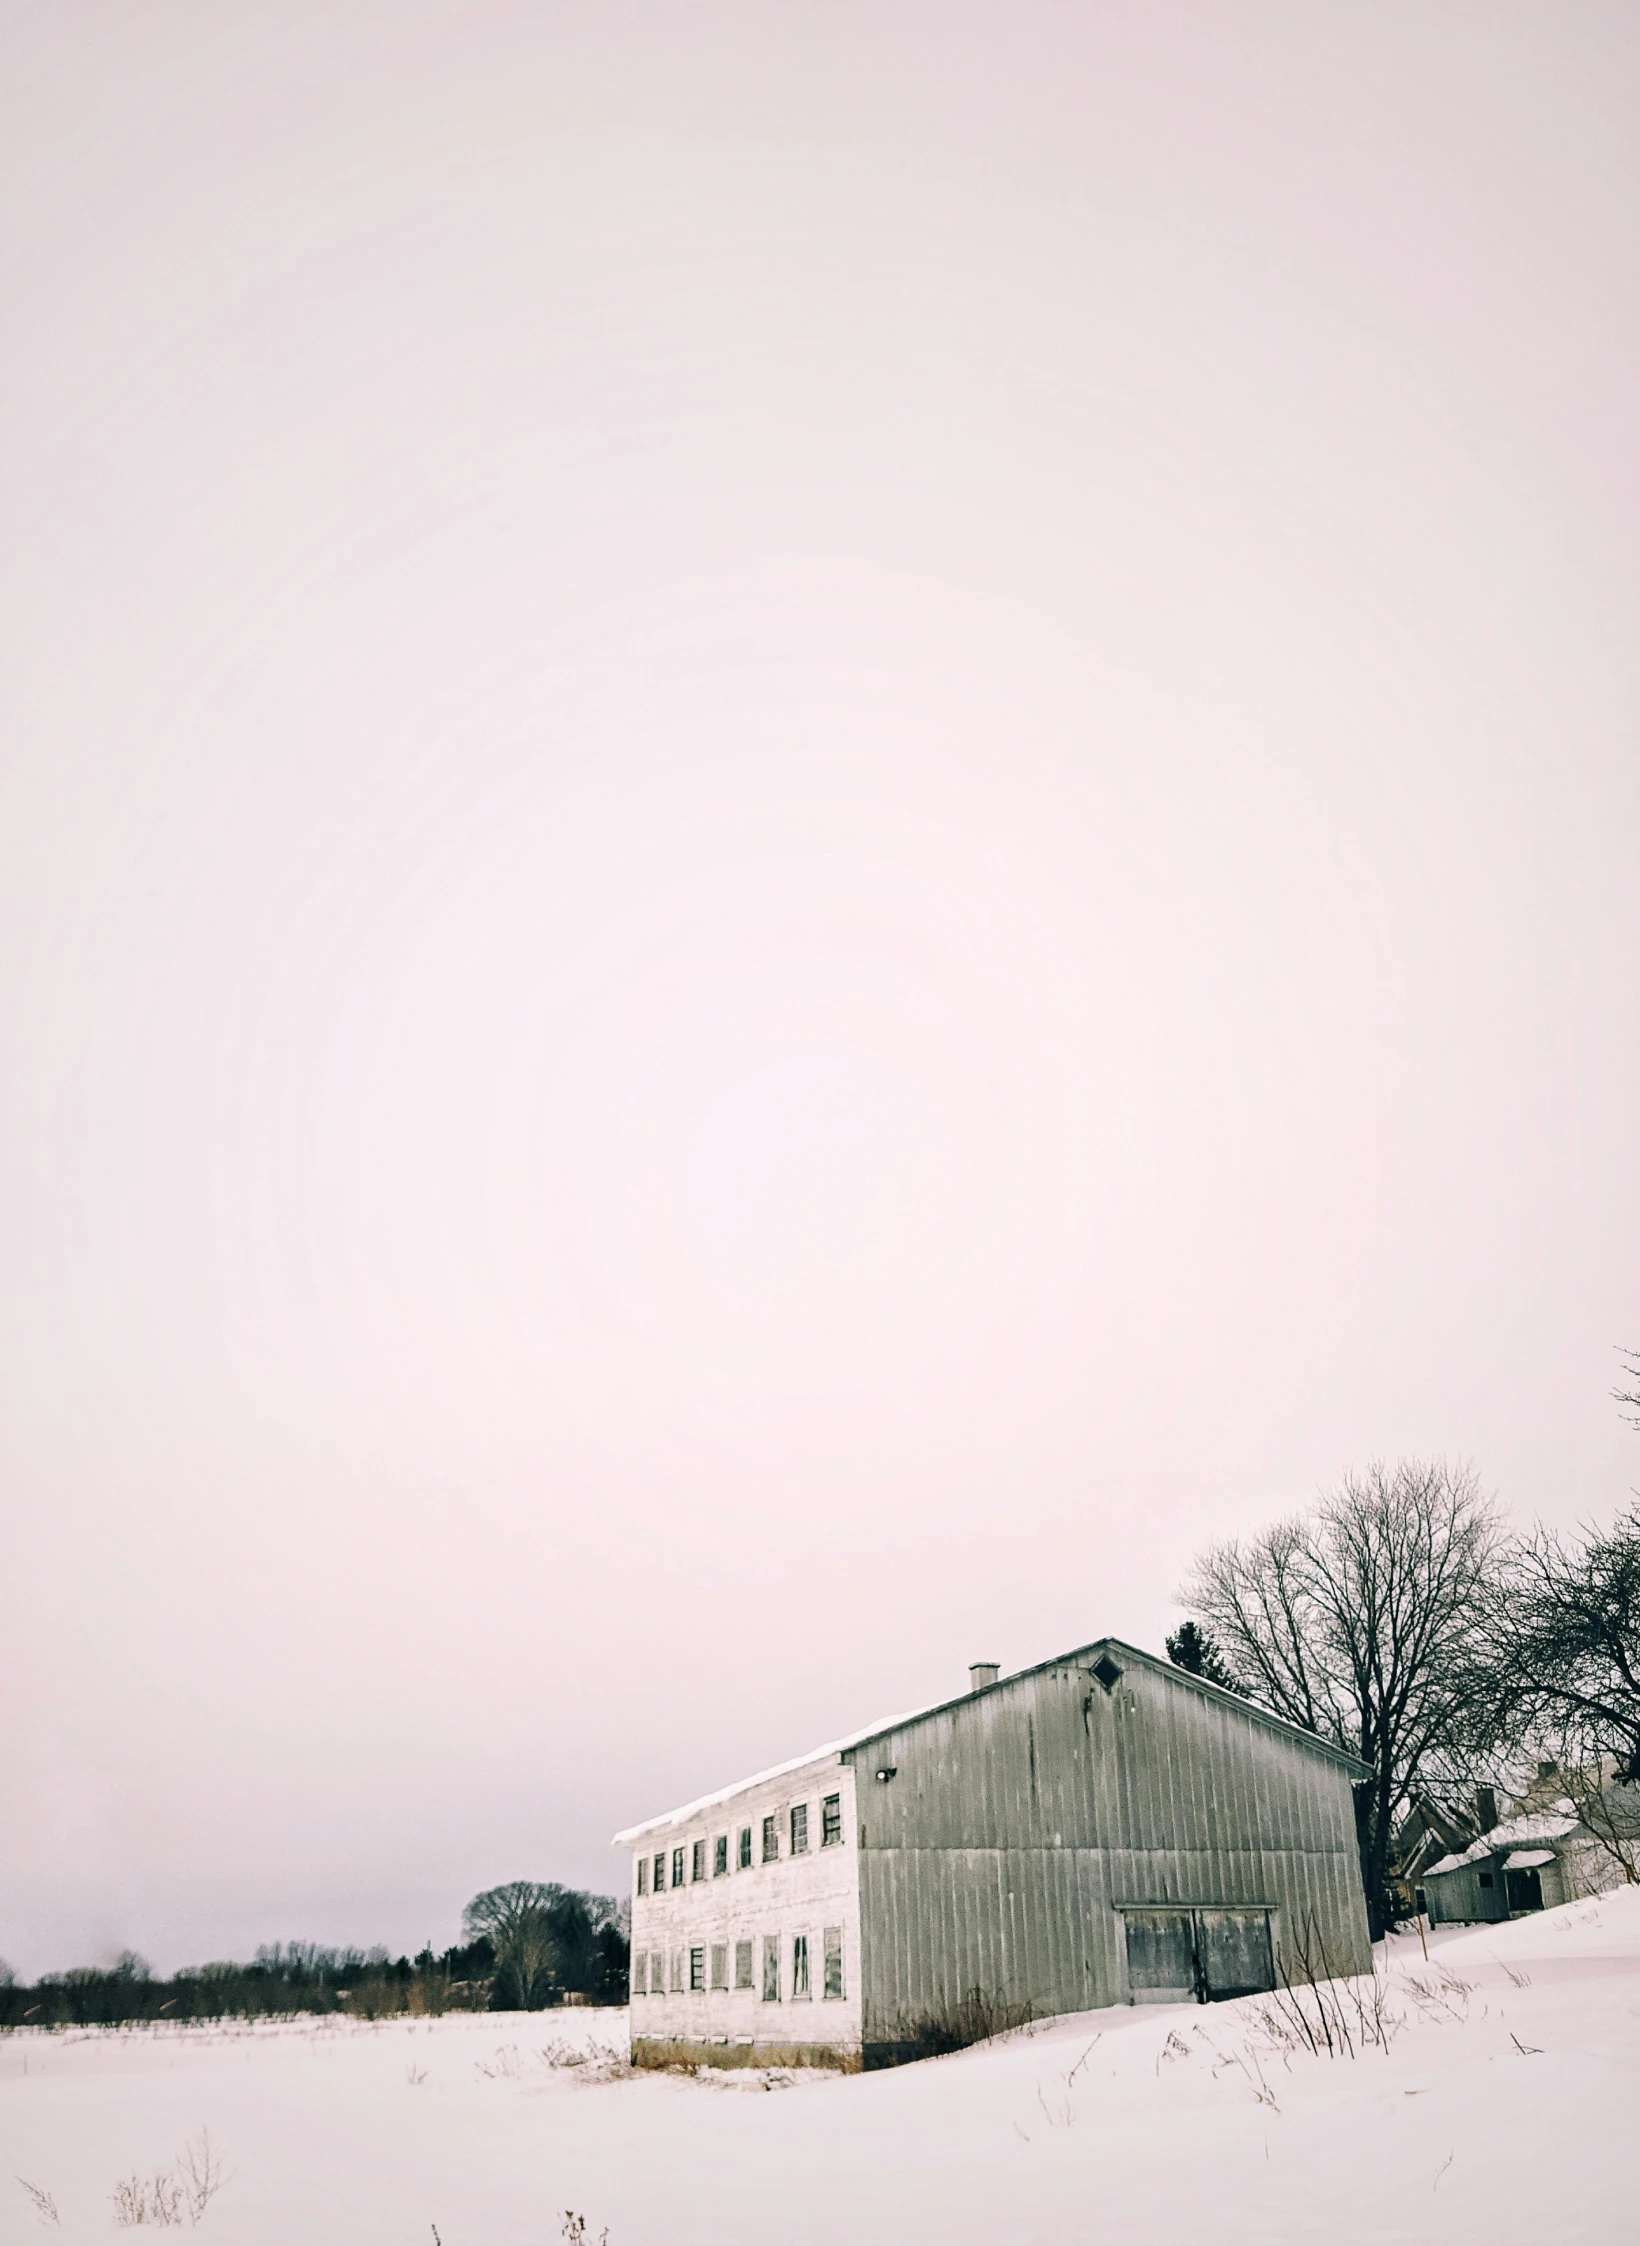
1505 2106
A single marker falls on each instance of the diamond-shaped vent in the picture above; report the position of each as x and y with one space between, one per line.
1107 1672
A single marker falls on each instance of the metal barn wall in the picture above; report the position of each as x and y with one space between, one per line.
1018 1819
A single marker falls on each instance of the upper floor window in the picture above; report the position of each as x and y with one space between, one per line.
831 1821
800 1965
800 1828
833 1940
643 1875
771 1839
660 1874
677 1867
745 1852
697 1867
720 1855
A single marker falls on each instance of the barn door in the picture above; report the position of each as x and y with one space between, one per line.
1173 1956
1161 1956
1234 1950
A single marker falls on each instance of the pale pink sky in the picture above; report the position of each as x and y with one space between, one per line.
815 823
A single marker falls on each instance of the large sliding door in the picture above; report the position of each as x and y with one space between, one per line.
1206 1954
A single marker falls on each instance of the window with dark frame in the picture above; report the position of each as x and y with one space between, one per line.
697 1863
800 1966
745 1848
771 1969
833 1940
743 1965
720 1855
771 1839
831 1821
697 1972
720 1965
677 1867
800 1828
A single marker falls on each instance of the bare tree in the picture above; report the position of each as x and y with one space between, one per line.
1364 1622
516 1921
1631 1374
547 1939
1567 1627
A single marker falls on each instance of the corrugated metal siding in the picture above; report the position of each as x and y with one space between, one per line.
1017 1821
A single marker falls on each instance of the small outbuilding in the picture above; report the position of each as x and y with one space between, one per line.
1527 1863
1103 1828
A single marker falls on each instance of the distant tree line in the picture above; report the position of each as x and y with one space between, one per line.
503 1965
1400 1619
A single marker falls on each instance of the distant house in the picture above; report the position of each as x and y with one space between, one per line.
1103 1828
1530 1862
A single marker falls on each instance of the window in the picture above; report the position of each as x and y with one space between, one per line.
800 1965
720 1855
831 1821
800 1828
640 1973
771 1839
697 1867
677 1867
745 1848
833 1939
660 1874
743 1963
771 1969
643 1875
1486 1879
657 1973
720 1965
697 1972
677 1971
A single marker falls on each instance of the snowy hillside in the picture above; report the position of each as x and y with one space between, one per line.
1501 2107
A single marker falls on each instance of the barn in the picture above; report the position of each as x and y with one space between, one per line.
1103 1828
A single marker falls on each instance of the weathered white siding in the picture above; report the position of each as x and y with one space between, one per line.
1019 1820
793 1896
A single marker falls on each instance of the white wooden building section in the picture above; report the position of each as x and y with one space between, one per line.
709 1938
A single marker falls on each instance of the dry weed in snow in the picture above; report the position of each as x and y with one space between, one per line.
44 2205
172 2196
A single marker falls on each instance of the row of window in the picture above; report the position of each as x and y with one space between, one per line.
688 1860
706 1967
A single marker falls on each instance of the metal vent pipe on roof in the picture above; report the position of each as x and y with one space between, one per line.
981 1674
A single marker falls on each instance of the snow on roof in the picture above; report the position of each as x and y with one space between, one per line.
1514 1832
828 1753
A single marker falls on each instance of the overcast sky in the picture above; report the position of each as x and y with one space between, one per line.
816 824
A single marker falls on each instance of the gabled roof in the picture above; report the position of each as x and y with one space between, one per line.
1085 1656
1514 1832
839 1750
